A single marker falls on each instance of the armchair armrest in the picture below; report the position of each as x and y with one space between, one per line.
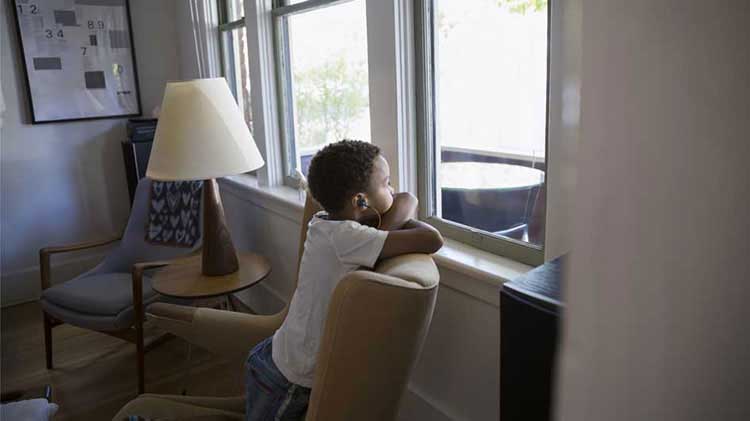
46 252
226 333
137 272
78 246
416 268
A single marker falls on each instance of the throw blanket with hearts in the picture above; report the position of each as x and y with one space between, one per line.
174 213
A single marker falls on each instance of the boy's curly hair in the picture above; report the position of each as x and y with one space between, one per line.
339 171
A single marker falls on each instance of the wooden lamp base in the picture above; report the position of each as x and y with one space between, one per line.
219 255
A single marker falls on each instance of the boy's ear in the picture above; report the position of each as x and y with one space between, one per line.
359 201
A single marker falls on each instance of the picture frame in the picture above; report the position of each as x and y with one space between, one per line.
78 59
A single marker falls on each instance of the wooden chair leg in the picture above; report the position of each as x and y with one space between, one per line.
138 324
140 356
48 340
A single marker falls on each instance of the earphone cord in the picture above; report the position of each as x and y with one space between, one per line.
380 220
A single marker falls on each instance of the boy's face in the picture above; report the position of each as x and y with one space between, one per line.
380 195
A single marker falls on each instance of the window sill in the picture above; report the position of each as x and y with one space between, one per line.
479 264
488 270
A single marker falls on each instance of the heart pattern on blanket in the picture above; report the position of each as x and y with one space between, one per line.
172 200
173 213
185 217
153 231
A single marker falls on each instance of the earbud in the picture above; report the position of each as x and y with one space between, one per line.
362 203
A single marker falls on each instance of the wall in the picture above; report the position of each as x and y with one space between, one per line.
457 375
657 314
65 182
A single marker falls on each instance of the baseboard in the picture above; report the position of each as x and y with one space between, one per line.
415 405
24 285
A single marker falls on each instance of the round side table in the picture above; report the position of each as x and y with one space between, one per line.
183 278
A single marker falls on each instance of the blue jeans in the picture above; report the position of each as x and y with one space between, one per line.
270 396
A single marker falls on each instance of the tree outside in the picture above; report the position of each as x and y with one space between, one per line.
328 100
523 6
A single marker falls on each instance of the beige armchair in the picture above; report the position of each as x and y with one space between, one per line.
375 327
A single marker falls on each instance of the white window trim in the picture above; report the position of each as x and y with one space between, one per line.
564 124
263 96
390 43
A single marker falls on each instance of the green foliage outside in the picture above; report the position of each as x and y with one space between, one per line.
328 99
523 6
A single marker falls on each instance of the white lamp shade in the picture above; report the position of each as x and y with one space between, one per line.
201 134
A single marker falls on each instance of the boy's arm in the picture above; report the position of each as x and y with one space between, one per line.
414 237
404 208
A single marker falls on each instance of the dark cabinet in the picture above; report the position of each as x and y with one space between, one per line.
530 310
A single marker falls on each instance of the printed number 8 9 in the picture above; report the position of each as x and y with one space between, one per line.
95 25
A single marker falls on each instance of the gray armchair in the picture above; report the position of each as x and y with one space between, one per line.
111 297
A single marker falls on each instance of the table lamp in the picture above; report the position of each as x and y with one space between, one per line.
201 135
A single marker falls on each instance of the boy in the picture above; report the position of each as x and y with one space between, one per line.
350 181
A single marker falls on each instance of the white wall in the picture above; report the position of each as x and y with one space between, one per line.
65 182
657 316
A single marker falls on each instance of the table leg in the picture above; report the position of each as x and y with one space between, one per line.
189 364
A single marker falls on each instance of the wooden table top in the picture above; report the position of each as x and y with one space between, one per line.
183 279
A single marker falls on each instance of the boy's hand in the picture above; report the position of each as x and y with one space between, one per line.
403 209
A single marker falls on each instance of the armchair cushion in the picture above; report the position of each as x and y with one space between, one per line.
102 296
183 408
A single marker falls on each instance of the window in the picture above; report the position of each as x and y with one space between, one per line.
483 70
234 54
323 76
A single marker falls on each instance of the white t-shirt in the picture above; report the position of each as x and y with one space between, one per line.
332 249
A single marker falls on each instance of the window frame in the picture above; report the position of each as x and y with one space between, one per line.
427 153
280 11
227 61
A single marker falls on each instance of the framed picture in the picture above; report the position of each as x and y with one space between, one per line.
78 59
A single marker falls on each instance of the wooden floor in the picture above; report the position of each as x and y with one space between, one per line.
94 374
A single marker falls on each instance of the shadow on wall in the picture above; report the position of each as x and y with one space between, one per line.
103 199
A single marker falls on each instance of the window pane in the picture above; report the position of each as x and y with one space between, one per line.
491 100
329 86
235 10
236 70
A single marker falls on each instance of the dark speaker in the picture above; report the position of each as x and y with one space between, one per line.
136 150
530 311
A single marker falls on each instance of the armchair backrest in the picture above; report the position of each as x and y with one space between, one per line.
374 331
311 208
133 247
